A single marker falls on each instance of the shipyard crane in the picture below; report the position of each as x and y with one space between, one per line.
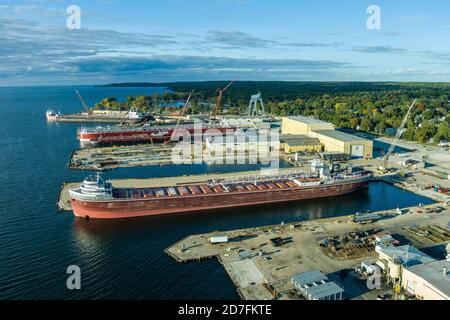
394 143
183 111
219 99
253 105
185 107
82 102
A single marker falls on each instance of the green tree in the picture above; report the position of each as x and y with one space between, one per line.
443 132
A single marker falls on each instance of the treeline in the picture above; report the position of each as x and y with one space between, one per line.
150 103
377 107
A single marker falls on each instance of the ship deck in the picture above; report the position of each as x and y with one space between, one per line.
209 188
151 186
147 129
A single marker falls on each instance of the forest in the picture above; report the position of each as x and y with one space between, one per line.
376 107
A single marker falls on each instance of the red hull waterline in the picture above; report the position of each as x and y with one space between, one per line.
129 208
141 135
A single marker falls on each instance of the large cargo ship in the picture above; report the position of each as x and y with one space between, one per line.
96 198
112 134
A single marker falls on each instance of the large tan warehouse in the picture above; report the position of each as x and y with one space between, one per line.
333 140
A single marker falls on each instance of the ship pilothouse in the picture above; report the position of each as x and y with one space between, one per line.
51 115
93 188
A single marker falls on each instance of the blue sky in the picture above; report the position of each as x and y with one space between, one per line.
182 40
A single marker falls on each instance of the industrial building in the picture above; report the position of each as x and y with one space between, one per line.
247 142
332 140
314 285
429 281
419 274
300 143
245 122
405 256
303 125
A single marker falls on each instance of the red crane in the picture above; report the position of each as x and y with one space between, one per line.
82 102
219 99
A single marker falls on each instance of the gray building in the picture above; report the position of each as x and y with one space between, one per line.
314 285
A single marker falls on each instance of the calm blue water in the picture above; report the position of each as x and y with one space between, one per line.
118 259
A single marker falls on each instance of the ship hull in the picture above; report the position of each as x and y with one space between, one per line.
143 135
114 209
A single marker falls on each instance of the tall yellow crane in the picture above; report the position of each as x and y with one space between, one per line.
219 99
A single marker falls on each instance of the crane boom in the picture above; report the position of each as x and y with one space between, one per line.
82 101
219 98
398 134
185 107
228 85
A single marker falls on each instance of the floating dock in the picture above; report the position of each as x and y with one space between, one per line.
107 158
84 118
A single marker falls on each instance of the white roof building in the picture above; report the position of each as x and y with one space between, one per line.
314 285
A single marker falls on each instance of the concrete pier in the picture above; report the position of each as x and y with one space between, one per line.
260 270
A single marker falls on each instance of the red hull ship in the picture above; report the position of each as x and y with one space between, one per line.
96 198
104 135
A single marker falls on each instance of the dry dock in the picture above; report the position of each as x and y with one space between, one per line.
106 158
261 270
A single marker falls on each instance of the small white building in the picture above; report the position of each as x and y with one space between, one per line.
384 239
218 239
314 285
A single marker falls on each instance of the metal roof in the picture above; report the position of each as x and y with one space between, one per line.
409 255
366 217
433 273
316 285
299 139
307 120
309 277
339 135
323 290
